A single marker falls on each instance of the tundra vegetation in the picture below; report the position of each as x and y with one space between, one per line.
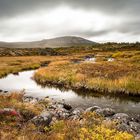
69 69
122 75
20 63
16 123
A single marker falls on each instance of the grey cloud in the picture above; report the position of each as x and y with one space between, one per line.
91 33
127 10
16 7
131 27
128 27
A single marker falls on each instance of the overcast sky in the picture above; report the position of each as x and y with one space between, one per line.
97 20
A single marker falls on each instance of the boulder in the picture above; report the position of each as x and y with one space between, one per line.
131 127
61 113
75 114
28 98
77 111
74 117
137 118
106 112
43 120
93 108
67 106
135 126
27 114
121 117
124 127
137 137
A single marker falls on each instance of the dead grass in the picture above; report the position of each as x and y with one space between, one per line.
15 101
17 64
120 76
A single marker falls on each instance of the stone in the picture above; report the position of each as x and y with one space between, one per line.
34 101
43 120
131 127
106 112
77 111
67 106
137 137
135 126
75 114
137 118
27 114
121 117
74 117
27 98
93 108
124 127
15 73
61 113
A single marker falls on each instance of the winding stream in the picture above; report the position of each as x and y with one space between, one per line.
23 80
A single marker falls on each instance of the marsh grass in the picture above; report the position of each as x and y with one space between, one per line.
120 76
17 64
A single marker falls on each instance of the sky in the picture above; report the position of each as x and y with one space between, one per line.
96 20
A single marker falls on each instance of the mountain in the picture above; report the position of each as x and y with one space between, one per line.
66 41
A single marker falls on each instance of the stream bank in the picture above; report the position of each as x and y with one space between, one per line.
82 99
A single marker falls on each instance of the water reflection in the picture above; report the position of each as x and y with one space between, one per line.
111 59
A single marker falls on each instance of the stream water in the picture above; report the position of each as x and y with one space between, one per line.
84 99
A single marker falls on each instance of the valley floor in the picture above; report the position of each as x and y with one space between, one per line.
102 71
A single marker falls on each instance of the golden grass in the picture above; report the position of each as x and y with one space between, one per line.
15 100
120 76
17 64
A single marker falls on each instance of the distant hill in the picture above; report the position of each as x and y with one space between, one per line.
66 41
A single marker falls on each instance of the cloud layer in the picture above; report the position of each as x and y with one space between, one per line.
102 20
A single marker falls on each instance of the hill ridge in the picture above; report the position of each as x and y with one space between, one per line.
64 41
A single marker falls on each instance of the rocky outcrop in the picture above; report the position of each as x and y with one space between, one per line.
63 111
44 119
55 111
106 112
